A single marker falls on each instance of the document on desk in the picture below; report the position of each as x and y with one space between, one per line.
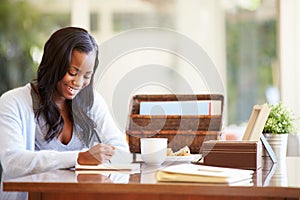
129 168
203 174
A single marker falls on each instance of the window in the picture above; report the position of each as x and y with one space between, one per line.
239 36
251 51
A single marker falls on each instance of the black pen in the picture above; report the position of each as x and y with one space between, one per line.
96 133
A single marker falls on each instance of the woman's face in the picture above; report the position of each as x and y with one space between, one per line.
78 76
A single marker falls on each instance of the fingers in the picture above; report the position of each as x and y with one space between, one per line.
98 154
102 153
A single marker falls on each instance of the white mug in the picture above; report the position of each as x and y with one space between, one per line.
154 150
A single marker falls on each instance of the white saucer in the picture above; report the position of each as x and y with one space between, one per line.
190 158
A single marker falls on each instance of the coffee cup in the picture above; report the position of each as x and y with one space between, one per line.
154 150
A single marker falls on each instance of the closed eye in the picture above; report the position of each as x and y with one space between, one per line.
72 74
73 71
88 75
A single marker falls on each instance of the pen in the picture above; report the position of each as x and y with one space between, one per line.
95 135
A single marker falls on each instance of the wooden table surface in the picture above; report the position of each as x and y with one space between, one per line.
278 181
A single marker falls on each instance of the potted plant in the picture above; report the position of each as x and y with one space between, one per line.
279 125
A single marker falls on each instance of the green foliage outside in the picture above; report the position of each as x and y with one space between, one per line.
251 52
16 39
23 29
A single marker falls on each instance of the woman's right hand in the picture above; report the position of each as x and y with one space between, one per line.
98 154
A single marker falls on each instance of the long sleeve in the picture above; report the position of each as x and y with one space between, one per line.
108 130
17 133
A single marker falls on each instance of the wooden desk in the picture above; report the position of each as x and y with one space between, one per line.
281 183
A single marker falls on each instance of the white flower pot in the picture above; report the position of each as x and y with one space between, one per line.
278 142
293 147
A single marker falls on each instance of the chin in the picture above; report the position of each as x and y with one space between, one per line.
70 97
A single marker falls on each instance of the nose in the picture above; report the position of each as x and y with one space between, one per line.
78 81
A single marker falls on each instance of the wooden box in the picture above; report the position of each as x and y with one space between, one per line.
181 130
233 154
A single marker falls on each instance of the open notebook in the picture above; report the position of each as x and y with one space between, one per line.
91 169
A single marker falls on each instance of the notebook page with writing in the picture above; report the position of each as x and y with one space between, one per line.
110 167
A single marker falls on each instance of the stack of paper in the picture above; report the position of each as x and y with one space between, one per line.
203 174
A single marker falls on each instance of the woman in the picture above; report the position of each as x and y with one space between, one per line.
53 122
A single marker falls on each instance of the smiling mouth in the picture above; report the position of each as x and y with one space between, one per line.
72 89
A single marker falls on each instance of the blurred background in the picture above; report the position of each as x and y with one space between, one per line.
254 44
